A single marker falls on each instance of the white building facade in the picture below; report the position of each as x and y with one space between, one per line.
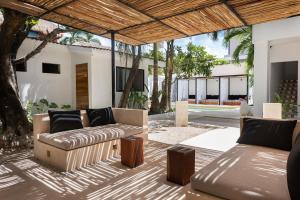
61 87
226 81
276 58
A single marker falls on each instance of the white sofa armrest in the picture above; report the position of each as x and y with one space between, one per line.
134 117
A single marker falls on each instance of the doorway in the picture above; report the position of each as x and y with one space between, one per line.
284 86
82 86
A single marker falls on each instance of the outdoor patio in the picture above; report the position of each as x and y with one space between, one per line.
219 154
22 176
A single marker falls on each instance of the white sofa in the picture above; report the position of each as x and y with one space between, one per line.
244 172
70 150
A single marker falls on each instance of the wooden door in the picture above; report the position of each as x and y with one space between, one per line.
82 86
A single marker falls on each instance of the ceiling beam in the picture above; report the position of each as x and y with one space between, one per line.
150 16
191 10
231 8
174 15
79 20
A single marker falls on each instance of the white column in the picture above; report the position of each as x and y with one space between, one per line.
181 118
261 76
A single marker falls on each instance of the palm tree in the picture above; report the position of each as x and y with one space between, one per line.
80 36
72 38
155 107
244 35
88 37
165 102
124 50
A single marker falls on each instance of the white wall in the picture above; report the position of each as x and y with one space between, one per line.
35 85
276 41
229 69
183 86
238 85
224 89
61 88
213 86
201 89
192 87
101 88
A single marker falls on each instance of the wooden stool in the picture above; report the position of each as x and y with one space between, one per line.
132 151
180 164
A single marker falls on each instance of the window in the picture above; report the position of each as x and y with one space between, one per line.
122 74
21 67
51 68
33 34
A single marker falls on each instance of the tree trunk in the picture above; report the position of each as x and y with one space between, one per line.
164 98
13 32
15 124
133 72
155 107
170 73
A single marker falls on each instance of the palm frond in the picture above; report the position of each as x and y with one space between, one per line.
65 40
241 48
250 58
236 32
214 35
95 40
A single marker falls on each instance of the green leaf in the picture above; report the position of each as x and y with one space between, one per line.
194 61
44 101
66 107
53 105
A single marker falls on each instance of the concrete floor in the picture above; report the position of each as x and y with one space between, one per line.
209 130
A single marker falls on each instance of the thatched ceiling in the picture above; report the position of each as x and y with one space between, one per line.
147 21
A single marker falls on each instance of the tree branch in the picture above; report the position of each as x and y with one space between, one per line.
49 38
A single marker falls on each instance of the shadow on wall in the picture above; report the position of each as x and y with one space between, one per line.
35 92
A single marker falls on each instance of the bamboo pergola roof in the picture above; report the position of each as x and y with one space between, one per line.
147 21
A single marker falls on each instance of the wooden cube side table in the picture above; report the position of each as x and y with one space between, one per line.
180 164
132 151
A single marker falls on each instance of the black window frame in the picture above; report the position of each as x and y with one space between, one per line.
44 71
142 71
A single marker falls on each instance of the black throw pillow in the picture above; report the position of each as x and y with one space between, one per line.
270 133
293 172
64 120
100 117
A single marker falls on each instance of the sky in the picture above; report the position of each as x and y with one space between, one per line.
215 48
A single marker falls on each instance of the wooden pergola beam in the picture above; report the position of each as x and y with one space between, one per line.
225 2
